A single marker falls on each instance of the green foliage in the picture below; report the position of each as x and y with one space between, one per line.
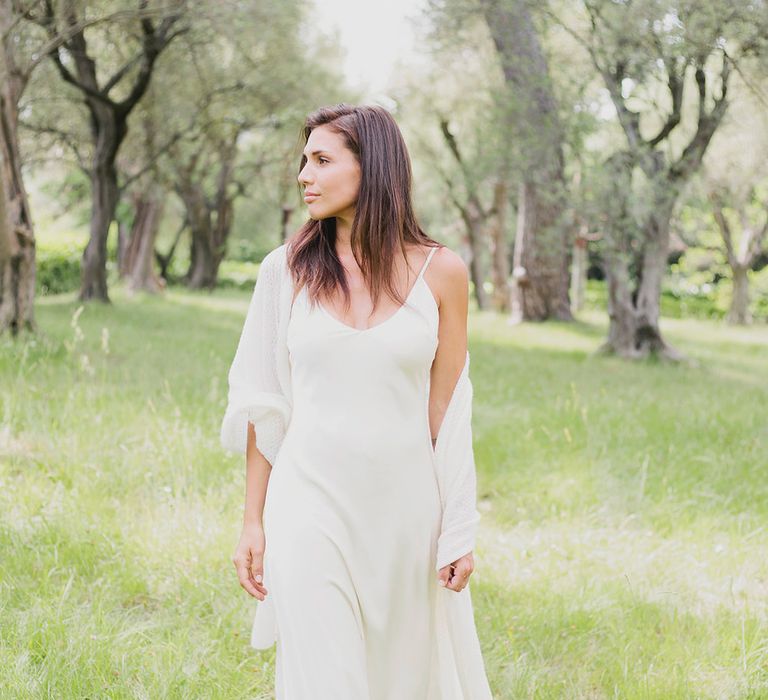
236 274
680 299
255 215
69 192
58 268
59 257
760 293
702 270
692 286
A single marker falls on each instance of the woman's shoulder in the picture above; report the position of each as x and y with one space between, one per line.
448 265
447 274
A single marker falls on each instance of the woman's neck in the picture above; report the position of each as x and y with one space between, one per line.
344 233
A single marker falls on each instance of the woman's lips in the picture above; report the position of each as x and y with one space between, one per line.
310 197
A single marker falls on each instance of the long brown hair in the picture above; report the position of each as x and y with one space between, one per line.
384 218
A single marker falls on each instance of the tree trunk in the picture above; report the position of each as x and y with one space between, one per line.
622 327
17 239
204 265
104 192
541 262
17 266
123 236
210 218
579 268
740 257
138 260
634 318
739 313
500 248
541 257
208 239
473 223
285 219
654 265
634 290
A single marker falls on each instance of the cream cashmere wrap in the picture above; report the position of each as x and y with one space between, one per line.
260 392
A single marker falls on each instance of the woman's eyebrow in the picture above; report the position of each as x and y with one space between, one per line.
316 152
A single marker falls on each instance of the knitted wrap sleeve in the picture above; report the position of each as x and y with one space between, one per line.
255 394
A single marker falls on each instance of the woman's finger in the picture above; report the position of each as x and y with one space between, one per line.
245 580
256 573
460 576
242 565
444 576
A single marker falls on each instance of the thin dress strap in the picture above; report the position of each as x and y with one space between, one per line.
426 262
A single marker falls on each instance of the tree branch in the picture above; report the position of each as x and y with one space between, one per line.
676 84
153 42
707 124
121 73
61 38
755 245
151 162
724 226
67 138
77 47
472 197
629 120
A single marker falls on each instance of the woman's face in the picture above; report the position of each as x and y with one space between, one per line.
330 177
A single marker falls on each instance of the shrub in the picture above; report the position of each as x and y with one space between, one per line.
58 268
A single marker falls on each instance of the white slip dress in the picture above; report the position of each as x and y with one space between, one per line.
352 512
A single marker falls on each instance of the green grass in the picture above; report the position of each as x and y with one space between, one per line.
622 550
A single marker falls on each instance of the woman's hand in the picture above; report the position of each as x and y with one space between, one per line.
455 576
249 560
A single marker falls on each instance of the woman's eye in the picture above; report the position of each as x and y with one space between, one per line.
323 160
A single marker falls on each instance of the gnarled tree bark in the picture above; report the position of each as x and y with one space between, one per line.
500 247
137 263
542 242
17 238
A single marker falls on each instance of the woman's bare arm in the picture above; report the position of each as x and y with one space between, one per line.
257 471
449 278
249 554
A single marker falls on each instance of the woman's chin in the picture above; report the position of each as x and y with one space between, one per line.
317 214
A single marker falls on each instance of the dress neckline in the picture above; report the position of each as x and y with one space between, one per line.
419 278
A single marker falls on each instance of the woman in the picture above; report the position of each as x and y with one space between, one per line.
346 534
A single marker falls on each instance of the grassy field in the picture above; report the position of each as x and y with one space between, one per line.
623 551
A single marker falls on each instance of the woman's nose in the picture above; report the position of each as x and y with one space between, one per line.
304 176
